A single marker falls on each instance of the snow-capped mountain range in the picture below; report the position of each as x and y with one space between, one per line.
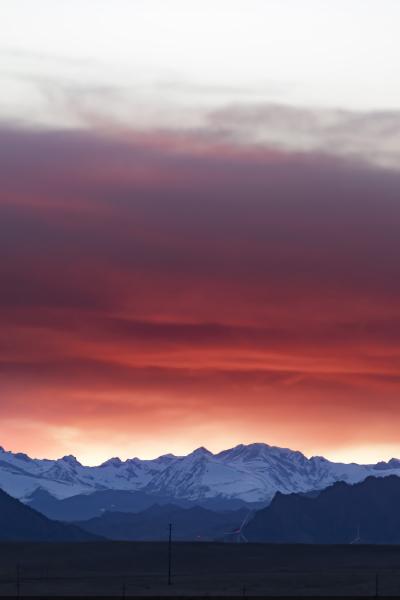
251 473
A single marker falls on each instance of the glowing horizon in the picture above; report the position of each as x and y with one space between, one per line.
358 454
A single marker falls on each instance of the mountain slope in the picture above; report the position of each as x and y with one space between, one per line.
21 523
196 523
250 474
87 506
366 512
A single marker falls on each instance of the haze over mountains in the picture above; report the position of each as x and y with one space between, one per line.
243 474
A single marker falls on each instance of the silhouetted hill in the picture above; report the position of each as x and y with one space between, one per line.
88 506
21 523
366 512
195 523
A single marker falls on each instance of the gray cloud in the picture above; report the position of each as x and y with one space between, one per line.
370 136
85 94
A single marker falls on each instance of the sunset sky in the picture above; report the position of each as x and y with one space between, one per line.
200 226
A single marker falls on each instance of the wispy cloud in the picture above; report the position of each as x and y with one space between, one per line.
370 136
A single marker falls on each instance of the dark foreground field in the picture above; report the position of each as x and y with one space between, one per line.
199 569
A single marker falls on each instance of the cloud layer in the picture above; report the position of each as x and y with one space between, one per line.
156 284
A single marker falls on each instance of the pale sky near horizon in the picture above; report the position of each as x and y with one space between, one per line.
183 53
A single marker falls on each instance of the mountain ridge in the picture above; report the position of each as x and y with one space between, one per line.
249 473
362 513
151 524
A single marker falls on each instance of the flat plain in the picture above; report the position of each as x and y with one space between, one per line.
123 569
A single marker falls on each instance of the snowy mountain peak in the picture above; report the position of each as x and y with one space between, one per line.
165 459
23 456
257 450
166 456
69 459
393 463
201 452
249 473
114 462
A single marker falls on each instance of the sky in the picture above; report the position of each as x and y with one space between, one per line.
199 217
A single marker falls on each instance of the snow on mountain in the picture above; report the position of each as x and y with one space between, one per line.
251 473
201 475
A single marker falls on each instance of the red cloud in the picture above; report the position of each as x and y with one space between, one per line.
146 280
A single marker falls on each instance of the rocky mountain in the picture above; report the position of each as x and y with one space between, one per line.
364 513
19 522
251 474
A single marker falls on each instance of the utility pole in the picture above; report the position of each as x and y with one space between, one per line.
170 554
18 581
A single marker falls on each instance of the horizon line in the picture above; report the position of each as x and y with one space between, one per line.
195 450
